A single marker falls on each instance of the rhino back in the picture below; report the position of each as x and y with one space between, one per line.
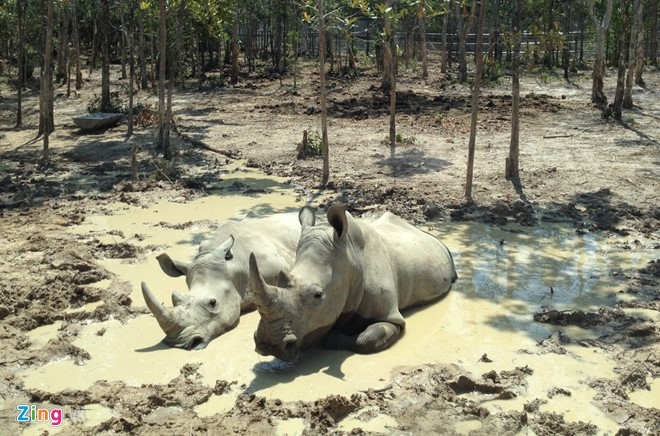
281 230
272 237
421 265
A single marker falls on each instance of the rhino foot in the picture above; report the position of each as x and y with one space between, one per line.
376 337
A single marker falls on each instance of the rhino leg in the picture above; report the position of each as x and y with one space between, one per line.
376 337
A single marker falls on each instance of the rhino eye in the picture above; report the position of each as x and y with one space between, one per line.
212 303
318 295
229 255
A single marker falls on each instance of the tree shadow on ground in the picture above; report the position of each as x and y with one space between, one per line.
410 162
99 163
644 138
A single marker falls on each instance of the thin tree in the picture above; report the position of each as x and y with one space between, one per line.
421 23
141 54
565 52
390 50
463 25
168 108
598 75
445 46
479 59
181 17
21 10
47 81
639 53
234 47
388 55
324 108
636 28
105 56
623 61
131 88
163 131
63 51
653 33
512 170
130 35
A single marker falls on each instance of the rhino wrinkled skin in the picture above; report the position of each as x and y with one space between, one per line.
350 279
217 278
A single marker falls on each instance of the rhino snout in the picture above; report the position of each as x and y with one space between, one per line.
290 342
288 350
196 343
291 351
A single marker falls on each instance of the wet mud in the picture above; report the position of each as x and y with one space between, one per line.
62 279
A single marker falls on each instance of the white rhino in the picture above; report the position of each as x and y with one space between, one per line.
218 278
350 279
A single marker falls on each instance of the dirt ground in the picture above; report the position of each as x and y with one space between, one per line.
576 168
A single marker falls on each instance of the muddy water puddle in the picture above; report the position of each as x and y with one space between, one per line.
504 278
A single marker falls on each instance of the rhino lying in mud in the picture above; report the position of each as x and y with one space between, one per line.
350 279
218 278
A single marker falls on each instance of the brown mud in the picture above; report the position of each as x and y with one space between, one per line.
578 170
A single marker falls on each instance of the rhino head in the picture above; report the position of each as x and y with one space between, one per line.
213 305
307 302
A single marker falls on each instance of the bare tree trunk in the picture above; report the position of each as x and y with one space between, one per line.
143 58
639 53
131 88
512 168
130 33
479 59
421 16
249 45
350 54
280 35
21 10
653 34
163 131
623 60
63 53
637 26
463 25
181 16
76 42
324 110
167 153
565 52
95 31
388 56
234 48
47 81
105 55
393 59
445 53
123 42
597 94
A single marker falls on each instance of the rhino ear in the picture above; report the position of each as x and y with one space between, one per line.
337 219
224 250
307 216
171 267
284 280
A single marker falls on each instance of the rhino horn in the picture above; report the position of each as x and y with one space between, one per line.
264 296
177 298
163 316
